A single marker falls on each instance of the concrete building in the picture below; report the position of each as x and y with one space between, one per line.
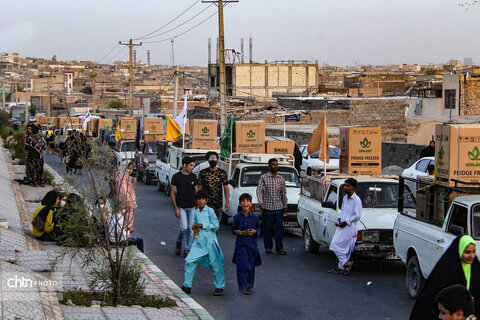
265 80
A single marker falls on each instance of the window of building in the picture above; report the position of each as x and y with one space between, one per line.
450 99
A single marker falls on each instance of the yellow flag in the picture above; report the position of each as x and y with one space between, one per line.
117 134
173 130
319 142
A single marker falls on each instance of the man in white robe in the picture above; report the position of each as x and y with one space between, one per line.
345 236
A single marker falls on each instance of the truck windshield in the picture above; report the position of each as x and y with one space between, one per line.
151 148
380 195
128 146
334 153
199 159
476 222
251 176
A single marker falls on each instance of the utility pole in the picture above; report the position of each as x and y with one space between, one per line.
49 81
93 75
130 45
175 94
223 109
3 94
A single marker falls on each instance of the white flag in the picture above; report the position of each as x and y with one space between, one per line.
181 119
86 119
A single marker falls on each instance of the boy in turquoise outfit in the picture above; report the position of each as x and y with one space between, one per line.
205 247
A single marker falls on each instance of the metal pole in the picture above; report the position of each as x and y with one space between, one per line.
131 79
175 94
223 113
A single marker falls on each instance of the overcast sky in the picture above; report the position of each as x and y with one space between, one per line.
337 32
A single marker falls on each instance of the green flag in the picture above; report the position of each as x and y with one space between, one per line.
227 138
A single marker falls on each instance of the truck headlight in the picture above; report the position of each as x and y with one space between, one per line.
369 236
151 165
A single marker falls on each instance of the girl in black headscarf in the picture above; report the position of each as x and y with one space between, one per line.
458 265
43 218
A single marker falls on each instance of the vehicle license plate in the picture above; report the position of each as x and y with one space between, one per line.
290 224
392 256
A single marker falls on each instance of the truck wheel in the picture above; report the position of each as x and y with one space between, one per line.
310 245
139 175
167 188
223 218
148 179
159 185
414 277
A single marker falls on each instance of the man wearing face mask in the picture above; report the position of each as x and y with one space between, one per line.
272 197
212 180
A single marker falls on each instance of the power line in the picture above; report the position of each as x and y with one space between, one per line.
108 53
157 35
169 80
176 36
148 34
121 50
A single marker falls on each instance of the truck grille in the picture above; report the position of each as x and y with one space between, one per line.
292 207
386 236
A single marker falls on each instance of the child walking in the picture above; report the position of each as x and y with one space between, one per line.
205 247
247 228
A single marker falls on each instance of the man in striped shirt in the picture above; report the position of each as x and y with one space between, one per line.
272 197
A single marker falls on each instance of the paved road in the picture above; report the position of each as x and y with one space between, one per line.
295 286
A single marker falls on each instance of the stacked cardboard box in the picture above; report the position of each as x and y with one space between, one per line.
128 128
279 145
102 123
249 136
458 151
204 134
153 129
48 121
361 150
68 123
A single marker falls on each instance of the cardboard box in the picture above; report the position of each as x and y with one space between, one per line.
458 150
249 136
69 123
153 126
103 122
93 124
153 137
279 145
204 134
361 150
49 121
128 125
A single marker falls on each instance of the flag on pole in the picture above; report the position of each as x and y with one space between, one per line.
319 142
181 119
117 134
227 138
107 126
86 120
173 131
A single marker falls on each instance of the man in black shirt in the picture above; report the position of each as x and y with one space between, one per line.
184 186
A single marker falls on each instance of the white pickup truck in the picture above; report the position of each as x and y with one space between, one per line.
124 151
421 241
244 172
170 162
318 211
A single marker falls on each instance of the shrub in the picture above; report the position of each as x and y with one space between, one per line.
4 132
48 177
19 147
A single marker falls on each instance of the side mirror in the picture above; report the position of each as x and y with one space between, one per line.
232 183
328 204
305 157
456 230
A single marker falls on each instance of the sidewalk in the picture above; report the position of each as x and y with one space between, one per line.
30 280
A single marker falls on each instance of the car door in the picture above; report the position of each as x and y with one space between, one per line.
305 159
323 220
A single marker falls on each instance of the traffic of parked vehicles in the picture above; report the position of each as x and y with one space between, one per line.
411 218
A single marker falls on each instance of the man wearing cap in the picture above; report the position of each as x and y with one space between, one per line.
345 236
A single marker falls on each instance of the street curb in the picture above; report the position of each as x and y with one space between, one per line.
190 302
197 308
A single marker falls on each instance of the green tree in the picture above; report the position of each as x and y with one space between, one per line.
54 58
87 90
32 110
19 88
116 104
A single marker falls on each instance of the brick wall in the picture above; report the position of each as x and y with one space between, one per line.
400 154
470 99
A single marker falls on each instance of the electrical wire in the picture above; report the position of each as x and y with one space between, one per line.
160 28
98 61
157 35
169 80
178 35
116 55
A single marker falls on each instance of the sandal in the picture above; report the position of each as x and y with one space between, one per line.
337 270
348 268
218 292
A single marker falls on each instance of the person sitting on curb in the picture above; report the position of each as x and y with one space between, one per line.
205 247
43 225
119 233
